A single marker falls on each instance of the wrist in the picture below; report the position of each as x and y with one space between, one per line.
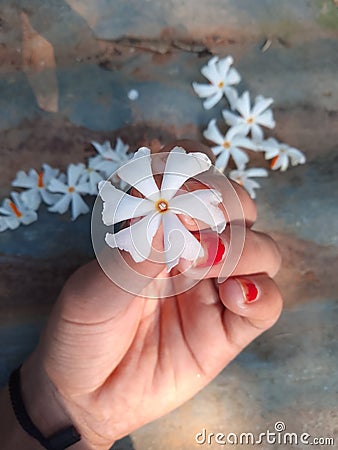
43 403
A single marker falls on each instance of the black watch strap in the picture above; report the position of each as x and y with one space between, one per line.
58 441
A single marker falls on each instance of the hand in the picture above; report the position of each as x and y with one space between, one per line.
115 361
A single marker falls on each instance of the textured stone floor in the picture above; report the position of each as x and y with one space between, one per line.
65 71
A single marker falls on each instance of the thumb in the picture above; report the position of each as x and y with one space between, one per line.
104 288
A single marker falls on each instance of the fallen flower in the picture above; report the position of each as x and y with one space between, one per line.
251 119
92 177
281 153
36 184
221 77
15 212
228 145
109 159
161 206
72 188
243 177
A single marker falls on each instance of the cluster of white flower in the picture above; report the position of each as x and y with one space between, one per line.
245 121
59 191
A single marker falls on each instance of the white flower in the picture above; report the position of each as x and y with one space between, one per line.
221 76
71 188
15 212
242 177
228 145
109 159
36 184
161 206
280 154
251 119
92 177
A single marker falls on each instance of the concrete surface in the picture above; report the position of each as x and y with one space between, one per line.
65 71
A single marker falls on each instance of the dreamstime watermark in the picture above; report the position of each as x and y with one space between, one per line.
278 436
129 278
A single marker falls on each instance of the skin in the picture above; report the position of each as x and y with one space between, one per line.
109 361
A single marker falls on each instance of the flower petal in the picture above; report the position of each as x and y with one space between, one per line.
223 66
79 206
32 198
29 217
119 205
121 148
257 133
213 134
266 119
232 96
210 71
250 186
3 224
178 241
240 157
136 239
57 186
48 197
181 166
243 104
230 118
261 104
138 173
12 222
213 100
49 173
237 136
217 149
202 205
61 205
222 160
105 166
23 180
101 148
204 90
233 76
257 172
296 156
74 171
284 162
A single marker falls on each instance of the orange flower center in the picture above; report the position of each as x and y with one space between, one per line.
162 205
15 209
71 189
226 144
273 161
250 120
40 180
221 84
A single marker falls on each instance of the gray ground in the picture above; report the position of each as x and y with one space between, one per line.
65 72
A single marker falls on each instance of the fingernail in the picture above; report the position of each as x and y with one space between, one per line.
214 249
249 288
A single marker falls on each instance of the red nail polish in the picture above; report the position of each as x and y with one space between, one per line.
220 252
250 290
213 255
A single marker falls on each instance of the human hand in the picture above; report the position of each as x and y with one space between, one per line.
111 361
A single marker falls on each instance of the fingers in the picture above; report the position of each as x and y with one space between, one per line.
104 289
225 256
253 304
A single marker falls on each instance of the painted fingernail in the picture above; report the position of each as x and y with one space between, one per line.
214 249
249 289
219 252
